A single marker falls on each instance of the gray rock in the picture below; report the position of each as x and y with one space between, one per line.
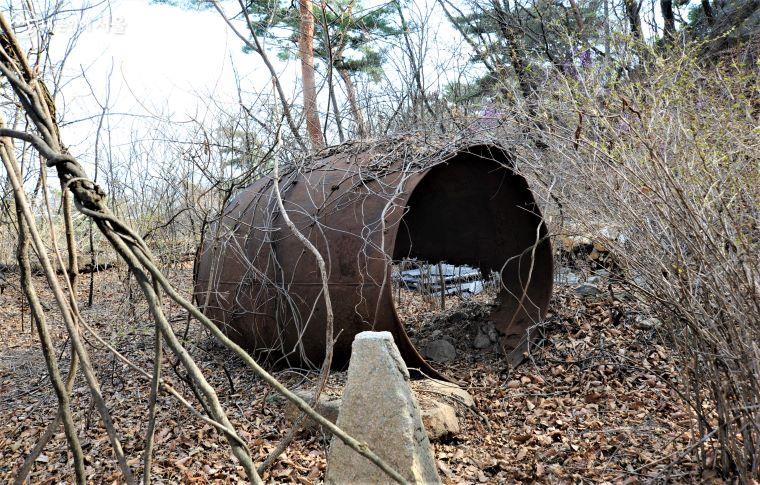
378 408
564 276
440 421
439 351
481 341
434 396
587 289
641 282
327 406
647 323
493 334
439 418
447 390
594 280
457 317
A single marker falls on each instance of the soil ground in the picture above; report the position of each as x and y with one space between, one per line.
596 402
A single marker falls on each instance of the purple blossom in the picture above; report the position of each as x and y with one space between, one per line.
487 118
586 58
490 113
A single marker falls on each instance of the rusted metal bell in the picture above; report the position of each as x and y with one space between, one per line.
363 209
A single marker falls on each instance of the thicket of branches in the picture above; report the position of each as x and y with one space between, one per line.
664 172
635 124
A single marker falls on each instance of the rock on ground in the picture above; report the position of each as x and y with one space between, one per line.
644 323
437 401
327 406
439 351
378 408
587 289
447 390
440 420
481 341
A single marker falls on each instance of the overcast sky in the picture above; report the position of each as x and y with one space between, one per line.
156 59
167 61
167 65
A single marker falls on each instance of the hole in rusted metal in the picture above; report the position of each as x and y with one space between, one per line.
438 302
473 211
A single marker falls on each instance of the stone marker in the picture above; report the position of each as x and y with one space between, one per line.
434 399
378 408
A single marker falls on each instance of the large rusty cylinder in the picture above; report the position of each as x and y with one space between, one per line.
363 208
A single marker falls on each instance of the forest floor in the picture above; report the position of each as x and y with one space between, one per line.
596 402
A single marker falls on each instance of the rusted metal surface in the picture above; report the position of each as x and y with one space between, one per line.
362 209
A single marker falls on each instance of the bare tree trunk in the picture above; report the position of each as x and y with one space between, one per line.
577 16
668 19
331 76
520 65
154 385
356 112
94 265
516 53
707 9
69 320
336 113
38 316
416 67
72 269
62 390
306 51
258 48
632 9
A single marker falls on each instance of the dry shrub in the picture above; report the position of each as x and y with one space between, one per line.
664 168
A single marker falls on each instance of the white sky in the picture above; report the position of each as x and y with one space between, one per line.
158 60
177 64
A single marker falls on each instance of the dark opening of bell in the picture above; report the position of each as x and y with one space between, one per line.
461 242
